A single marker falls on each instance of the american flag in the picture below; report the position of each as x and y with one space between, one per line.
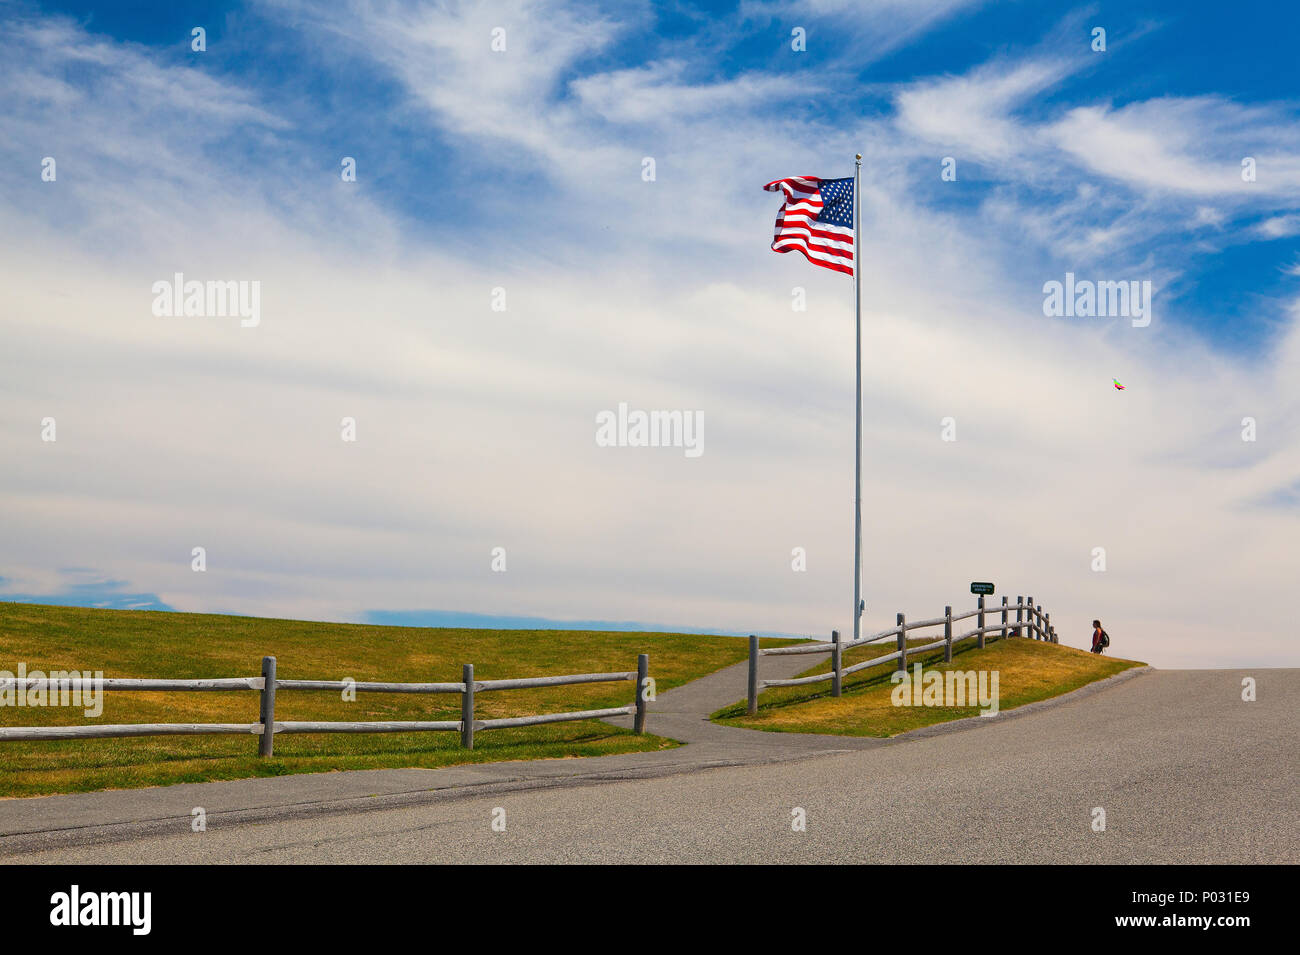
817 220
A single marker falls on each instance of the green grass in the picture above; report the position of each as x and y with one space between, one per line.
1028 670
125 643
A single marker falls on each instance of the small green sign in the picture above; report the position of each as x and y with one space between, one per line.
981 587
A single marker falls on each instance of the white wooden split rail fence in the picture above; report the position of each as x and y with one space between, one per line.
1030 620
268 685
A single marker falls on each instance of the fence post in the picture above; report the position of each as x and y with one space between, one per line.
835 663
1050 634
980 639
1020 614
467 706
1042 631
1029 619
752 708
642 675
902 643
947 634
266 745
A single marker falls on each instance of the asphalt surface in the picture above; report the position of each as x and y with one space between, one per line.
1185 771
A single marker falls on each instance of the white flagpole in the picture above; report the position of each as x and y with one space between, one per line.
857 442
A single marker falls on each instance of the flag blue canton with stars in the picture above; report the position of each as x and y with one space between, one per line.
837 202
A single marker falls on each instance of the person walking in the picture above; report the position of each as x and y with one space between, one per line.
1100 639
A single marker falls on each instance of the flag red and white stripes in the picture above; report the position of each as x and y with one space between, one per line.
816 220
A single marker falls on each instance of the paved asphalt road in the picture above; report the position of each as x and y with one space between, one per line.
1185 771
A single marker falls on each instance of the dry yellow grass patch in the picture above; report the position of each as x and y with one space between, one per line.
1028 670
192 646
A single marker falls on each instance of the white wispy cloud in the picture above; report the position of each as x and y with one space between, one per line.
1280 227
876 28
975 114
659 95
1186 145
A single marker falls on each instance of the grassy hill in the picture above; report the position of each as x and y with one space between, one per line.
125 643
1028 670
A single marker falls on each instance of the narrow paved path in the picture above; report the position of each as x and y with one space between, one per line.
1184 770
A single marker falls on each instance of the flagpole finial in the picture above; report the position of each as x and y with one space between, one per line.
858 157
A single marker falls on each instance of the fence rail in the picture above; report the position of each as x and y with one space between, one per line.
267 685
1030 620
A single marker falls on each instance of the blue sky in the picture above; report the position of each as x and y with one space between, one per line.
1232 279
522 170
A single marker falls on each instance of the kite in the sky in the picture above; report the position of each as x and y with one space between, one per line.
1118 386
